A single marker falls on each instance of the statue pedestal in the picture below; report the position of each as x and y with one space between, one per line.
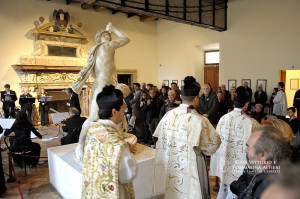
66 178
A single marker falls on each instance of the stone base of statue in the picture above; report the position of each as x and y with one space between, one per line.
66 174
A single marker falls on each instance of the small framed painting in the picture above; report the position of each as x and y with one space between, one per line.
294 84
166 82
231 84
182 82
248 81
262 83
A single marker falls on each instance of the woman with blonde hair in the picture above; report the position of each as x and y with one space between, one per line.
285 129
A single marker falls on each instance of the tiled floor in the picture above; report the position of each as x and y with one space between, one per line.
36 184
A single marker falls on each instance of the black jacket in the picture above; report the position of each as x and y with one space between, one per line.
73 122
74 101
210 106
153 108
260 98
167 106
251 186
13 98
26 106
22 136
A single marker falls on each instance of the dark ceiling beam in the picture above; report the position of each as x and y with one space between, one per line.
149 11
130 15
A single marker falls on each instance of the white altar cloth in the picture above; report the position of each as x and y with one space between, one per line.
65 172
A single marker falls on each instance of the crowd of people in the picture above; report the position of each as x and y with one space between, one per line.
246 148
147 104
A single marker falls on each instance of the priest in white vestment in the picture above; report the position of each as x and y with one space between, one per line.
234 129
108 167
183 136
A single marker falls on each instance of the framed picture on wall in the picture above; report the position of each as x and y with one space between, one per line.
182 82
294 84
248 81
166 82
175 81
263 83
231 83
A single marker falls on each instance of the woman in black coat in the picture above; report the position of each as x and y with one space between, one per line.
22 128
22 140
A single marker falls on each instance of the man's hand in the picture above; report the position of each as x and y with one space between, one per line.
132 148
148 102
205 115
79 153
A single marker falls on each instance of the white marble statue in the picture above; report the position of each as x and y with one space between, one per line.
101 67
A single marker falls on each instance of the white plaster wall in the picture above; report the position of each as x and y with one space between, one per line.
262 39
181 50
17 17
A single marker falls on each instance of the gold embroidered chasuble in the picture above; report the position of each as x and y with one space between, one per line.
102 153
179 132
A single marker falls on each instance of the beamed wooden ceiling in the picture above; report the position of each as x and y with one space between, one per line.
210 14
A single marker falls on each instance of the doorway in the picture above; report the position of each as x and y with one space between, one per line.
211 76
125 79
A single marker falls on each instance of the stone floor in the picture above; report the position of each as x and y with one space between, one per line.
36 184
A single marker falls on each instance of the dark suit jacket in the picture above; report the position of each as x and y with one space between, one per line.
74 102
13 97
260 98
72 123
26 106
210 106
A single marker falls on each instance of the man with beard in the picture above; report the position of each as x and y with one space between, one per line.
265 149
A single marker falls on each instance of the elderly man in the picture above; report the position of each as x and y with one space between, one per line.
260 96
70 124
280 102
226 94
265 149
108 167
183 135
208 104
234 129
248 90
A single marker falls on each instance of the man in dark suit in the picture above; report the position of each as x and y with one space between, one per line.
225 97
70 124
74 100
27 107
8 97
260 96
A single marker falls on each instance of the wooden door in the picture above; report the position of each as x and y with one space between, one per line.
211 76
283 77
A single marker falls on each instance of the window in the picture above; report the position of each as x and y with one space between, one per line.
211 57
